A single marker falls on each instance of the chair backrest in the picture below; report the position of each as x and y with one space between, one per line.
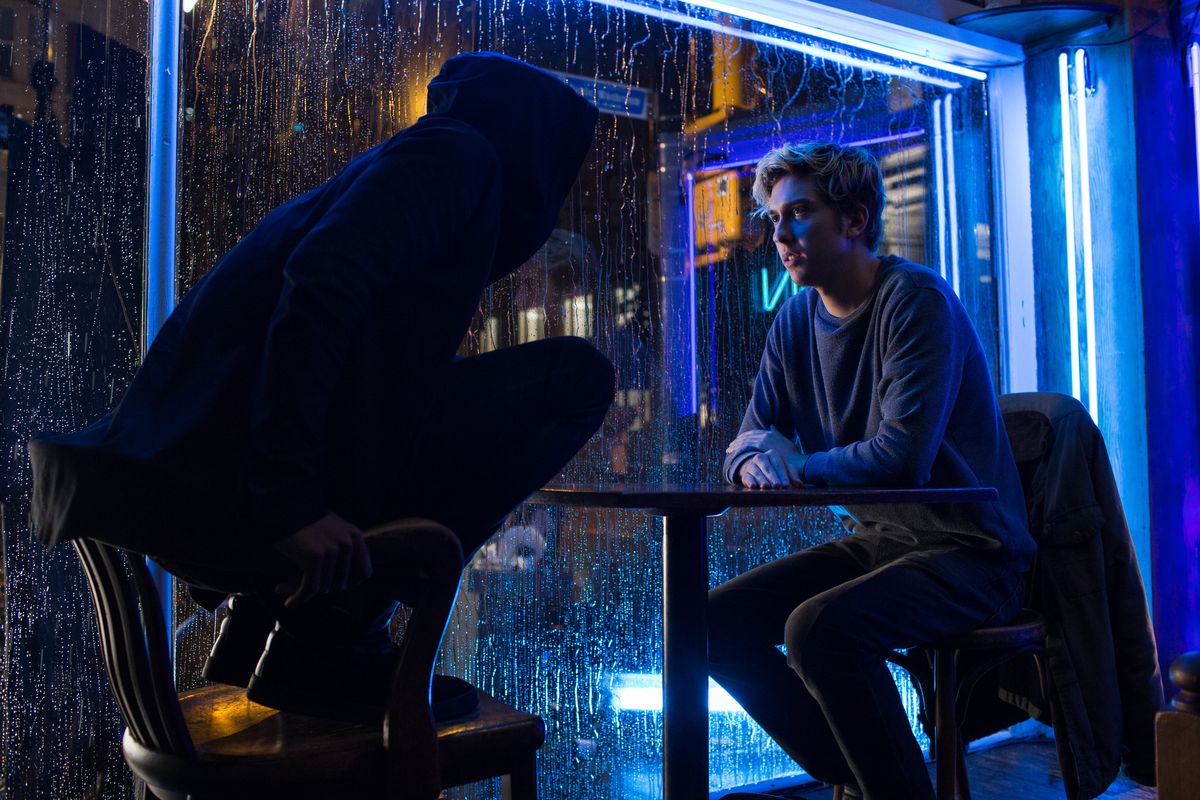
1030 435
133 642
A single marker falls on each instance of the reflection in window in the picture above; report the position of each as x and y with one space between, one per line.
577 316
489 336
8 23
531 325
72 210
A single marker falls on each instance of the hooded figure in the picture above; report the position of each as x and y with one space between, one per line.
312 370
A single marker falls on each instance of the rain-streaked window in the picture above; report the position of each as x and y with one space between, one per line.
656 259
72 223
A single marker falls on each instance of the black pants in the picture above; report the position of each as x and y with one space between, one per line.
468 443
831 702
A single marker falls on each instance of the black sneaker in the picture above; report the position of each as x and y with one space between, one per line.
348 683
240 641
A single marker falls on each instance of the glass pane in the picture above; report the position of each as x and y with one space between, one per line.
655 259
72 205
7 21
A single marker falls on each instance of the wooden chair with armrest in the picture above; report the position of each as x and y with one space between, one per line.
214 743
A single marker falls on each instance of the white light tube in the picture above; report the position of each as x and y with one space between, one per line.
1064 95
839 38
1085 207
799 47
939 187
638 692
1194 63
951 192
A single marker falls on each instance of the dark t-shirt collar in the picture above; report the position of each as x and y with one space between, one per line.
886 263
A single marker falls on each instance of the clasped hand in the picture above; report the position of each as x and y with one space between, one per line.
331 555
779 463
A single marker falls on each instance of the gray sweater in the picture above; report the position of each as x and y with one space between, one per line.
896 394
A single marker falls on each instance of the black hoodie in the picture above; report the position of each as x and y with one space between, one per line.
382 264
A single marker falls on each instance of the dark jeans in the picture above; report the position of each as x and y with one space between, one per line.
831 702
465 449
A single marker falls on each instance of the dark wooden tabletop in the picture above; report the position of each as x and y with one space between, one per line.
704 497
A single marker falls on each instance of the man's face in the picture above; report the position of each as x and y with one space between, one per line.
809 234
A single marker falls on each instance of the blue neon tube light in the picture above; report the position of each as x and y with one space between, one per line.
1064 95
718 166
1194 65
1085 208
693 366
160 209
772 296
808 49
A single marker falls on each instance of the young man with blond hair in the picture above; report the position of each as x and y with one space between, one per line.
871 376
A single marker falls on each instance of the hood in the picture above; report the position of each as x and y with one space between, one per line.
541 131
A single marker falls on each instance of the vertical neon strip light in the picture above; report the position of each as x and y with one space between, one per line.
1194 64
159 283
951 190
1064 95
1085 208
693 386
939 186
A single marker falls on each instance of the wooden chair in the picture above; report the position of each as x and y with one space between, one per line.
934 669
937 676
214 743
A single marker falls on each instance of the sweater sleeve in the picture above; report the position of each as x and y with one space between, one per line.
768 402
389 225
920 376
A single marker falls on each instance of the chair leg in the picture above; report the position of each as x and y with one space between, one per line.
964 786
839 792
945 729
522 781
1062 744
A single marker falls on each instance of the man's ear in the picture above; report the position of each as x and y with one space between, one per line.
855 221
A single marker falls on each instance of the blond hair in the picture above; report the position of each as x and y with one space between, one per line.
845 177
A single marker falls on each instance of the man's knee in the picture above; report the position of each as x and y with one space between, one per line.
815 641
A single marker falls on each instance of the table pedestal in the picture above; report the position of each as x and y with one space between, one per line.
685 656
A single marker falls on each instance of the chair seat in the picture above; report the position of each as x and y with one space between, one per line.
1027 629
242 744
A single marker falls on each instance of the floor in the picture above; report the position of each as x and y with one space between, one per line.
1025 769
